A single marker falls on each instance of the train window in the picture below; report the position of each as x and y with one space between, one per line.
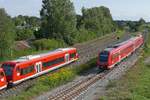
1 74
104 56
122 51
128 49
115 56
27 70
18 70
53 62
72 55
8 69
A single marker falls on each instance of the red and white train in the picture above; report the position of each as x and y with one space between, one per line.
111 56
3 81
27 67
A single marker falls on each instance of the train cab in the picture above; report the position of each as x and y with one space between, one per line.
8 70
3 82
103 59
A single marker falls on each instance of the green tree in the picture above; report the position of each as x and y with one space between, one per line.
6 34
26 21
58 20
141 21
98 20
26 27
24 34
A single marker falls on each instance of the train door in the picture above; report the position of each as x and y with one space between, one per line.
67 57
38 67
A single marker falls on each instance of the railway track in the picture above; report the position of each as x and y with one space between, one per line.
86 52
72 92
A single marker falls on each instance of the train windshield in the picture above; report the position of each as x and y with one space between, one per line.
8 69
104 56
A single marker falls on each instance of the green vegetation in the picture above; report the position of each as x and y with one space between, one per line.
58 20
97 20
23 34
94 22
132 26
84 35
6 35
48 82
48 44
135 84
119 33
26 27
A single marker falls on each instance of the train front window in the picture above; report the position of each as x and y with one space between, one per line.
1 75
8 69
103 56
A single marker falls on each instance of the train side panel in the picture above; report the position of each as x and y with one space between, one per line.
117 55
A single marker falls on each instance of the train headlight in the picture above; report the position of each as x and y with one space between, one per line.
2 80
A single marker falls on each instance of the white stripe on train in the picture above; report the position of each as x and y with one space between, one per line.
43 72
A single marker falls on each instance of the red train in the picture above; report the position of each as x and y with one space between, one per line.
31 66
109 57
3 81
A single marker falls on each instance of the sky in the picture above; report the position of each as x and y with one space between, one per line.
120 9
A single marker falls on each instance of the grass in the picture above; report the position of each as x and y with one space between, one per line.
120 33
135 85
48 82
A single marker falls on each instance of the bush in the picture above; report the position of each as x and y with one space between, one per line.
84 35
24 34
120 33
48 44
59 78
19 53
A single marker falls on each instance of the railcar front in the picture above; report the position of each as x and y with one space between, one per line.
103 59
3 81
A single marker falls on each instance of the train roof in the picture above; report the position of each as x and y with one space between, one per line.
110 48
31 57
122 43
